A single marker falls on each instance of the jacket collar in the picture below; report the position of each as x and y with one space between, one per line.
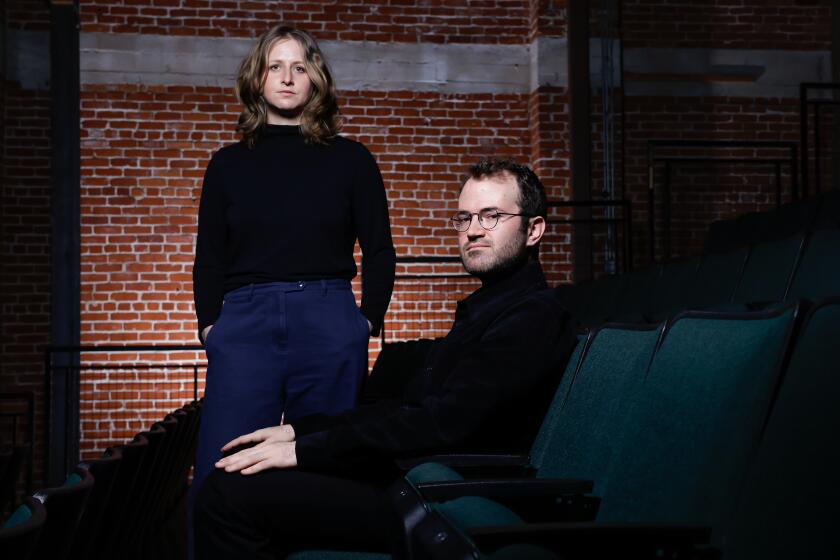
521 280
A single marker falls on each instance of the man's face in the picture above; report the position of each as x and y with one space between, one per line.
484 251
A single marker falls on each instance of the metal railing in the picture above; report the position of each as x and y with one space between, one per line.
806 101
791 160
62 366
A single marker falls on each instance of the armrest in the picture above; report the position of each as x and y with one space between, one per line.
521 488
597 539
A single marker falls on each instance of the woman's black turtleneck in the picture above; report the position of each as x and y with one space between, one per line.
289 210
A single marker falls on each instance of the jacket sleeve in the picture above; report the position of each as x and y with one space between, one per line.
209 267
512 360
373 228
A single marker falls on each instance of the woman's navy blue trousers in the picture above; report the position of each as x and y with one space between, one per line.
280 350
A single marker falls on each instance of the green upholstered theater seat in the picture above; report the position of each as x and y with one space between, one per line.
104 471
768 270
717 278
576 439
794 217
605 295
580 439
20 533
788 508
818 273
753 227
697 420
722 236
133 454
828 216
64 505
639 295
674 288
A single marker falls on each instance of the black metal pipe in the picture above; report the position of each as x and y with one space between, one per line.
817 149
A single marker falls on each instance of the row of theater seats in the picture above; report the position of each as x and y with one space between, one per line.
709 435
821 211
804 264
129 503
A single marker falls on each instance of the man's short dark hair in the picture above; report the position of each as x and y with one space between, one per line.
532 199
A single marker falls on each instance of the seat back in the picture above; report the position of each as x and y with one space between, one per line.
722 236
133 454
585 435
549 424
104 471
19 535
818 274
753 227
64 505
639 295
144 482
12 466
789 504
175 475
156 475
794 217
768 270
828 216
697 418
576 298
603 303
396 365
717 278
674 287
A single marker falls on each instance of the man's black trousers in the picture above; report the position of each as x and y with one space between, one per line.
274 513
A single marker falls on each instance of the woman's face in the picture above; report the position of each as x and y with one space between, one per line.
287 86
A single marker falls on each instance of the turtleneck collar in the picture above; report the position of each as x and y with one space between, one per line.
281 130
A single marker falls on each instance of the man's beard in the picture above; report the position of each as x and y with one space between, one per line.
496 258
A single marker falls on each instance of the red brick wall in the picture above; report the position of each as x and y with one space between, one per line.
31 15
732 24
144 150
716 191
469 21
549 113
548 18
143 155
25 228
708 192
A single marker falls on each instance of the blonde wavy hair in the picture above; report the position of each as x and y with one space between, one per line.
320 120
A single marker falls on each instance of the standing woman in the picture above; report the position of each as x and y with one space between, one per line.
278 221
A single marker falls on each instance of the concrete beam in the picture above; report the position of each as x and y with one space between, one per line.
722 72
27 58
158 60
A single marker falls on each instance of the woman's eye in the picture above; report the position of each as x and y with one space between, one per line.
300 69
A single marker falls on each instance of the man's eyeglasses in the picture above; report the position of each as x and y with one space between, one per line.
488 219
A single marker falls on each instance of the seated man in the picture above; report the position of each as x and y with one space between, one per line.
320 482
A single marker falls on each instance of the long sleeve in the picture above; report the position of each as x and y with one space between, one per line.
494 389
209 266
370 212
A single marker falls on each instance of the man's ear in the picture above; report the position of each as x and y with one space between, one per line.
536 229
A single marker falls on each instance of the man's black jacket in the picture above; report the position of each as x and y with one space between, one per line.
485 386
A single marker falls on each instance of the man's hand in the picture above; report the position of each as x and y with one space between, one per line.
276 455
275 434
275 449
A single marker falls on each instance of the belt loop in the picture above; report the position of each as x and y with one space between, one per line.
250 292
323 287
